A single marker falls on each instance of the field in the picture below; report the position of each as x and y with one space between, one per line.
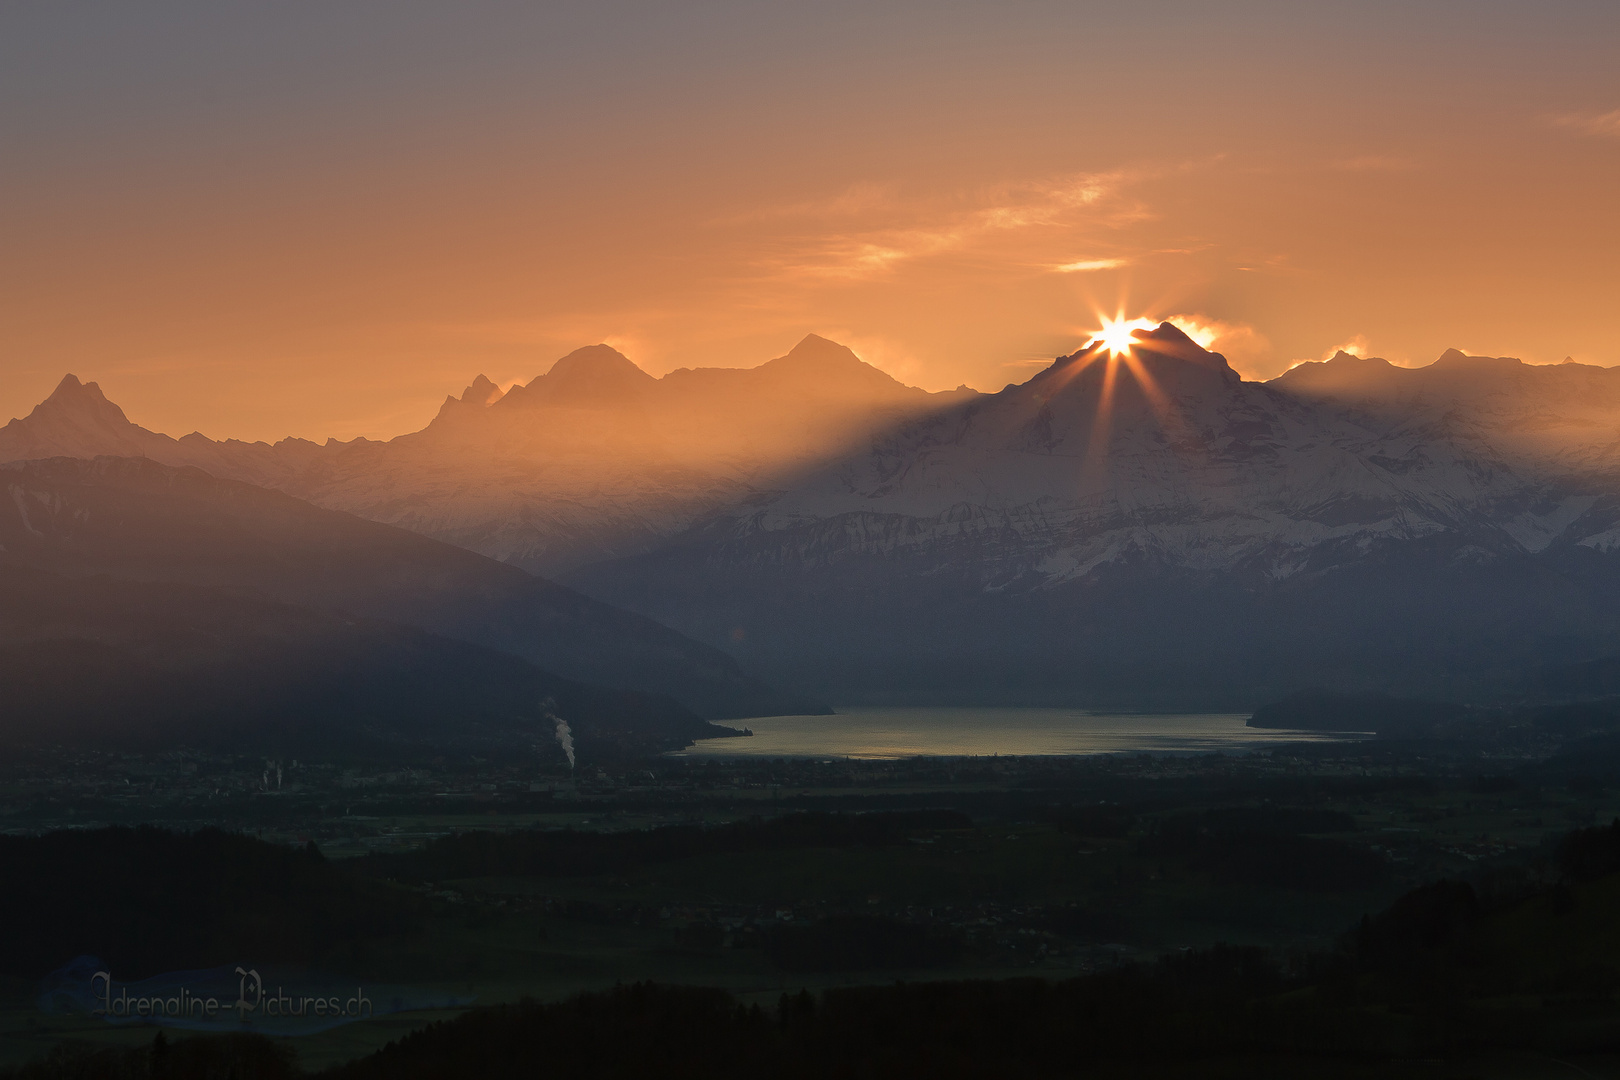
749 876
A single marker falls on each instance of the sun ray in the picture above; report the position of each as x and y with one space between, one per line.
1150 387
1067 374
1097 447
1115 345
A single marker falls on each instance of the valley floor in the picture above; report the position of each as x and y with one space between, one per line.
993 868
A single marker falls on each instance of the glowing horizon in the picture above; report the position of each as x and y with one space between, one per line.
317 222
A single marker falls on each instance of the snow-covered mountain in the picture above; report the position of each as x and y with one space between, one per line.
1170 457
1114 516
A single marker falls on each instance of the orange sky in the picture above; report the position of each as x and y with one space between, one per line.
258 221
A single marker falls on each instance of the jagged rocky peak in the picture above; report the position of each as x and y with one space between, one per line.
76 406
80 399
466 408
481 392
76 420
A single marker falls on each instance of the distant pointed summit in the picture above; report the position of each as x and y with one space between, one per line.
76 420
464 410
598 375
596 364
813 349
78 406
82 400
819 368
481 392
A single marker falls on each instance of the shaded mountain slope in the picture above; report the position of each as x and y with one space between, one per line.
138 520
1416 620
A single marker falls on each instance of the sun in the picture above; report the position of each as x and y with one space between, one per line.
1115 335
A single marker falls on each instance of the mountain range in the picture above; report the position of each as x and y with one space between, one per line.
595 457
1149 531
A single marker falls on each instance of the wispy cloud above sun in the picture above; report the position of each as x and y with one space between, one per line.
891 230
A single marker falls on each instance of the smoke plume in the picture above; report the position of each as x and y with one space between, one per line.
565 734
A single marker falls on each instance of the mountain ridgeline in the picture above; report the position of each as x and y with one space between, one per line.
1156 532
593 458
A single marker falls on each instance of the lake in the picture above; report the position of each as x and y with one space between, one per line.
963 732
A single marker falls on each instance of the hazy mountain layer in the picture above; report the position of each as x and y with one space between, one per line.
137 520
1554 420
593 459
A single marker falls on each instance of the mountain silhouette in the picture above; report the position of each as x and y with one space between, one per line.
76 420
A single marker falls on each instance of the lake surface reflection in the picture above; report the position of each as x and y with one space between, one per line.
952 732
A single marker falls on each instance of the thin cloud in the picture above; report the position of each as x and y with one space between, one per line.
1356 346
1248 350
1087 265
1065 202
1599 124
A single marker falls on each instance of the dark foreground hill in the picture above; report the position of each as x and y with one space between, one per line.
1438 984
1444 982
143 666
135 520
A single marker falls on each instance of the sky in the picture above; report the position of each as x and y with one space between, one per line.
317 219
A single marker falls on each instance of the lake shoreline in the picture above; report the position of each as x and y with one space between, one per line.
886 733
